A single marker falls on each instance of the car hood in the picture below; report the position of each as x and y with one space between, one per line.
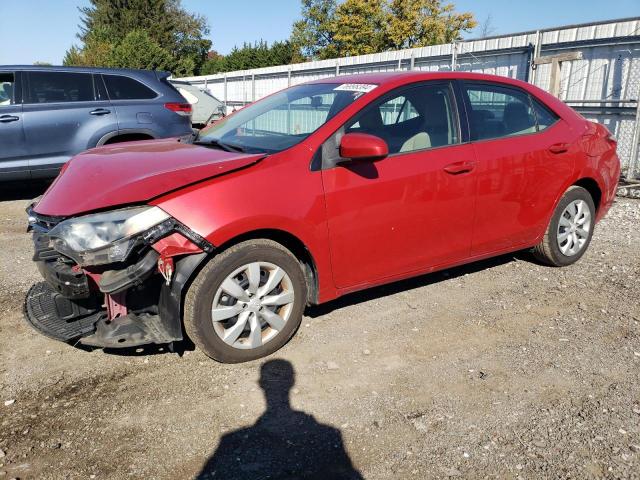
134 172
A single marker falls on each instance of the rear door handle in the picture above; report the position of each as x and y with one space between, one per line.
559 148
100 111
459 167
8 118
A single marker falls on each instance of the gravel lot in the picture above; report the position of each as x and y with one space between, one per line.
502 369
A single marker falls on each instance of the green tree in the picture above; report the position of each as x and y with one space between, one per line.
214 63
96 51
258 55
359 27
354 27
313 34
109 29
418 23
139 50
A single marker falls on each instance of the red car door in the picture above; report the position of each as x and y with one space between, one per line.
411 210
523 156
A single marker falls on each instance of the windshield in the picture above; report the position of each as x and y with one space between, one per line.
281 120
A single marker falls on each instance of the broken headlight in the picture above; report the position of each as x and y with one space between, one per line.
104 237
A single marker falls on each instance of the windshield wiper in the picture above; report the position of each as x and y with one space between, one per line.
220 145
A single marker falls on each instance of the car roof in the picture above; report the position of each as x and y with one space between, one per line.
390 80
59 68
383 78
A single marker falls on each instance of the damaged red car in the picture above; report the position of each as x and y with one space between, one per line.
314 192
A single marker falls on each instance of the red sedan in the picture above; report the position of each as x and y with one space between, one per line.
316 191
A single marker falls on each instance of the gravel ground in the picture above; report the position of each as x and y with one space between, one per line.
500 369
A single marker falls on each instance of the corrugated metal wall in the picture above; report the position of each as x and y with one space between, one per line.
604 85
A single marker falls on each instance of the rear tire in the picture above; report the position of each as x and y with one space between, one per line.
570 230
247 302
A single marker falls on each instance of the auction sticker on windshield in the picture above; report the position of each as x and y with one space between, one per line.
356 87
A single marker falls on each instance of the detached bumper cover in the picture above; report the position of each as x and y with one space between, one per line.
60 318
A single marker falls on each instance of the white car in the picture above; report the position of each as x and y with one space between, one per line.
206 107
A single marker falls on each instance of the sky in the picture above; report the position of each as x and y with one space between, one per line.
50 27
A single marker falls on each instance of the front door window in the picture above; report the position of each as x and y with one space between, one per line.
419 118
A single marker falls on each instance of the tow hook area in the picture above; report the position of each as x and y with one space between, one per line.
115 305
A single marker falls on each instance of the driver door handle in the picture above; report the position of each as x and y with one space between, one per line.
8 118
459 167
100 111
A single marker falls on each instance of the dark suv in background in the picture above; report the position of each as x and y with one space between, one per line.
49 114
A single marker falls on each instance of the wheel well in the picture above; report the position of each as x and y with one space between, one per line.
295 246
128 137
591 186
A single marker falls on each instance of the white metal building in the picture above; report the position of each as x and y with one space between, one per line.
601 79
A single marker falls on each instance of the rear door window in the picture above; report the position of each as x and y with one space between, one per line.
125 88
498 111
59 87
7 88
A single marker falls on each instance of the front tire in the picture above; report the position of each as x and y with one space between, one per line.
570 230
247 302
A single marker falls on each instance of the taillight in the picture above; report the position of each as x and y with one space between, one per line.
183 109
612 140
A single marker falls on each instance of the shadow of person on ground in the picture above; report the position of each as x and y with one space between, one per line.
283 443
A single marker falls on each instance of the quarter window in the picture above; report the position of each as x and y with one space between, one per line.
544 116
421 117
59 87
125 88
499 112
7 89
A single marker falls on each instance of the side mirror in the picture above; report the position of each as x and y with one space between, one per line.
362 146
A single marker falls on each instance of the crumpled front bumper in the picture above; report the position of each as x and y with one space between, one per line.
115 306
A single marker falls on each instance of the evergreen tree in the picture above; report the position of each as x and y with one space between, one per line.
139 50
258 55
110 29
